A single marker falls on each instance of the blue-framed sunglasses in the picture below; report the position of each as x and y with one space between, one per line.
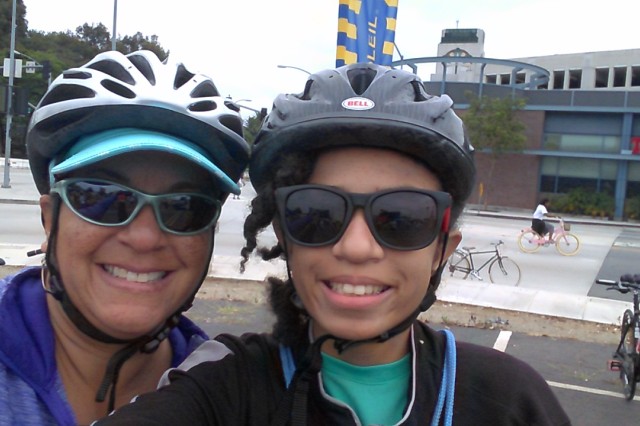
399 218
106 203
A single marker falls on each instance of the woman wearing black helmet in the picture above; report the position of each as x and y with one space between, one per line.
363 176
134 159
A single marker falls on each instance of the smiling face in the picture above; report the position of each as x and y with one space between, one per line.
356 288
126 280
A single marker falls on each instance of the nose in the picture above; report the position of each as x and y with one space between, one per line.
358 244
143 233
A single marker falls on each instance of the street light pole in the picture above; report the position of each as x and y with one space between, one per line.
12 70
115 18
295 68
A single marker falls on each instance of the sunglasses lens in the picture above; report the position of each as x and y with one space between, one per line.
314 216
108 203
186 213
405 219
101 202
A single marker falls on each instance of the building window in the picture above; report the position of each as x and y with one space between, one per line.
602 77
581 143
575 79
561 175
505 79
619 76
491 79
558 79
633 179
635 76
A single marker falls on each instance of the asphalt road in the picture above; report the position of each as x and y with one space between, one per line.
577 371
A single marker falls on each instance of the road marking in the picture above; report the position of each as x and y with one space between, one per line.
502 341
589 390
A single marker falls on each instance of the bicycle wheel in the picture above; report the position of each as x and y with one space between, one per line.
504 271
567 244
528 242
628 355
459 265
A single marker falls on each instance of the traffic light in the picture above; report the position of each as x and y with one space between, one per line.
21 106
3 99
46 70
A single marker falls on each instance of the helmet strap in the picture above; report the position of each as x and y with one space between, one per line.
145 344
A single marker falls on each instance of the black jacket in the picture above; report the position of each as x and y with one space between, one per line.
247 388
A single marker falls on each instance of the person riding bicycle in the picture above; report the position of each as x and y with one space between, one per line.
363 176
133 159
538 224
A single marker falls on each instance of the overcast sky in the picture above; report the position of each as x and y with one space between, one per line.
239 43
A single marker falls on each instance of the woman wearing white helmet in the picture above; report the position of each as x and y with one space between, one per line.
134 159
363 176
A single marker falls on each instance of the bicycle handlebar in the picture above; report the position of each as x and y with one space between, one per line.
624 284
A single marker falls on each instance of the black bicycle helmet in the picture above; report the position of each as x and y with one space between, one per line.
138 91
368 105
371 106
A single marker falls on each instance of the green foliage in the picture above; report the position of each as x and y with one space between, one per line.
252 127
632 208
582 201
63 49
492 124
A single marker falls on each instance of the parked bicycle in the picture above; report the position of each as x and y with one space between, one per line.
626 358
502 269
567 244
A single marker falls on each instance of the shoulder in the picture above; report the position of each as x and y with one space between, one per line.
494 380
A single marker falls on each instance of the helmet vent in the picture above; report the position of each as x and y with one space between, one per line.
113 69
205 89
118 89
360 79
232 122
307 90
65 92
75 74
182 77
141 63
202 106
419 94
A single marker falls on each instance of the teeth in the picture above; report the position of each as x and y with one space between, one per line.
356 290
133 276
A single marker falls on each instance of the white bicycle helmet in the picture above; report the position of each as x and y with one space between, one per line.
115 91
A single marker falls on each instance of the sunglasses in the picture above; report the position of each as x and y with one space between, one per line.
107 203
400 219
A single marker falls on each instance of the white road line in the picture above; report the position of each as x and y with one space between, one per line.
502 341
589 390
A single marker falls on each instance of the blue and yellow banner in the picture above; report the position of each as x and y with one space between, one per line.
366 31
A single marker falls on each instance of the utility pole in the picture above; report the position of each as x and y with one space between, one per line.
115 19
12 70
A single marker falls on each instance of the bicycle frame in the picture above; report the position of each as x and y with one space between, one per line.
626 357
476 272
502 269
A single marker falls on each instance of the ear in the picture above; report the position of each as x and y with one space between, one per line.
46 212
455 236
46 216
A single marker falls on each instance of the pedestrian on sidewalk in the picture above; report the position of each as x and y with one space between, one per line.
363 176
133 159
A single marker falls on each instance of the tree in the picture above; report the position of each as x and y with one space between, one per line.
252 127
97 36
494 129
6 9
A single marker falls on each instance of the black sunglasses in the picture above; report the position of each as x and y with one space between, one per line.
400 218
106 203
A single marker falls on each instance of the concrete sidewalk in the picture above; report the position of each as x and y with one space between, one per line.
247 286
